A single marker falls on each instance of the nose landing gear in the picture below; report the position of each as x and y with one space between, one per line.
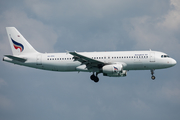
94 78
152 73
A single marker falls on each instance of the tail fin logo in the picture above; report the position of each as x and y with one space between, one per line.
17 45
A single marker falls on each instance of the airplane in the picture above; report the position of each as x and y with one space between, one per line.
112 64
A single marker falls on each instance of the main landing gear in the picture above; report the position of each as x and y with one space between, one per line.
94 77
152 73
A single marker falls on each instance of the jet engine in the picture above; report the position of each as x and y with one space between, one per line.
114 70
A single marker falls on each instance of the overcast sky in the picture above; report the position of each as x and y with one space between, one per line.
90 25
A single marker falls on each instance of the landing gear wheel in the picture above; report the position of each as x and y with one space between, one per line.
152 73
153 77
94 78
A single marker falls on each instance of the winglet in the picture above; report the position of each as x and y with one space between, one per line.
72 52
67 52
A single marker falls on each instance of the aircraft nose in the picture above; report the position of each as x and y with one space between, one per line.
173 62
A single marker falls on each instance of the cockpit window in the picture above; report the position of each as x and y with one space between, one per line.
164 56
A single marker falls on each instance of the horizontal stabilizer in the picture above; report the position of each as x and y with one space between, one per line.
16 58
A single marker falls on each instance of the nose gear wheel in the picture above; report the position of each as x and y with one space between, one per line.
152 73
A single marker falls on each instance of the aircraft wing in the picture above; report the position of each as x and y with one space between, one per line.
89 62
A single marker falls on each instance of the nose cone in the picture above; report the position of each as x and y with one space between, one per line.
173 62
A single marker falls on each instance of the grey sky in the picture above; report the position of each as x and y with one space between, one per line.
96 25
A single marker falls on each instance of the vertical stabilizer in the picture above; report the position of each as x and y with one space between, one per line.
19 45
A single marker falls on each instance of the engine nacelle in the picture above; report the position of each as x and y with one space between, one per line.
123 73
114 68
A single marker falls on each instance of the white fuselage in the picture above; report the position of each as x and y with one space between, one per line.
131 60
